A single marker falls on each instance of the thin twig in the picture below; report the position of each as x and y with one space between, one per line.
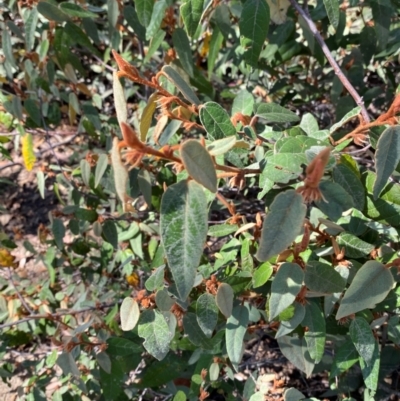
346 83
55 316
21 298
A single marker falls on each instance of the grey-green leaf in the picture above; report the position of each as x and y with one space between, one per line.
182 47
236 328
315 334
216 121
387 157
224 299
285 287
155 331
282 224
101 168
199 164
253 25
58 232
191 11
363 338
207 313
332 9
287 326
274 113
382 12
144 9
370 285
183 224
323 278
349 181
129 314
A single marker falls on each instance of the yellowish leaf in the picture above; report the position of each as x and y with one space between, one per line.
28 153
6 259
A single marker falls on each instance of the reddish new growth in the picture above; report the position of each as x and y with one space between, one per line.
314 172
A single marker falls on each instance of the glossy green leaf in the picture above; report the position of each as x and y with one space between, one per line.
51 12
345 357
236 328
262 274
295 350
199 164
332 9
274 113
191 11
354 246
30 28
224 299
119 100
144 9
194 332
155 331
287 326
382 13
183 226
373 276
285 287
315 334
387 157
207 313
253 25
58 230
129 313
323 278
157 16
335 200
182 47
110 233
363 338
370 371
349 181
181 84
179 396
282 224
216 121
101 167
74 10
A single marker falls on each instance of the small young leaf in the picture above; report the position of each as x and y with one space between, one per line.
191 11
282 224
287 326
387 157
285 287
224 299
129 314
236 328
207 313
376 278
101 167
199 164
183 226
262 274
216 121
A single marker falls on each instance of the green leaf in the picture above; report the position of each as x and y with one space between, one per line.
73 10
216 121
215 45
118 346
236 328
156 18
291 394
30 28
207 313
295 350
183 226
335 200
262 274
182 47
243 103
282 224
354 247
155 331
315 334
51 12
156 280
58 230
253 25
155 43
274 113
348 180
145 186
371 372
181 84
345 357
332 9
199 164
132 18
283 167
33 111
363 338
191 11
309 124
373 276
111 384
387 157
78 36
110 233
194 332
323 278
382 13
101 167
129 313
147 116
221 146
144 9
104 361
179 396
224 299
285 287
287 326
